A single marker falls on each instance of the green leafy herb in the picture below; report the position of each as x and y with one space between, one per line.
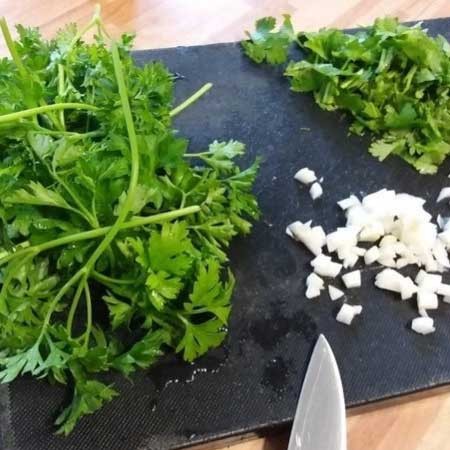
89 396
391 78
268 45
101 203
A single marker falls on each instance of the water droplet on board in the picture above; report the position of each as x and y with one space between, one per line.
275 374
173 370
190 434
268 331
152 405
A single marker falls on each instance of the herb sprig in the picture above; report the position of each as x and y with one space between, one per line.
101 204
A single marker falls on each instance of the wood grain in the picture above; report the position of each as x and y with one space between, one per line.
167 23
415 425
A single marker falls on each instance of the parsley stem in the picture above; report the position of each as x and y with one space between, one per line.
192 99
74 305
98 232
93 22
183 319
170 215
88 300
43 109
12 48
69 134
196 155
197 311
55 301
408 78
61 93
102 278
183 200
167 324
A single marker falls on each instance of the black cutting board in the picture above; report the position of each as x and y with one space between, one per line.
253 381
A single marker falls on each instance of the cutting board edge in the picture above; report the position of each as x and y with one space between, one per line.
281 427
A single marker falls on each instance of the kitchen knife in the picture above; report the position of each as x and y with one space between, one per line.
319 422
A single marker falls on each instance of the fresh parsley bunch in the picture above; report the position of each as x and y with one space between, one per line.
112 238
392 79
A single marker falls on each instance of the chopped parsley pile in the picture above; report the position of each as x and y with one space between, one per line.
392 79
113 238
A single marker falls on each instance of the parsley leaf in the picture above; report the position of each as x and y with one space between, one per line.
210 299
88 397
268 45
37 195
198 339
171 249
120 312
220 154
209 294
143 353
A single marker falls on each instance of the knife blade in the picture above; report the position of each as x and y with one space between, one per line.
319 422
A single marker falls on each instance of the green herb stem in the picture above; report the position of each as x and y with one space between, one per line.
98 232
44 109
81 273
12 47
93 22
61 93
110 280
408 78
192 99
69 134
183 319
196 155
88 300
163 217
74 305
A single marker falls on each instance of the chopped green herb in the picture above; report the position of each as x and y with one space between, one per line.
391 78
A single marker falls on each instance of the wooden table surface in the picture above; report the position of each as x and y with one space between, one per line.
422 424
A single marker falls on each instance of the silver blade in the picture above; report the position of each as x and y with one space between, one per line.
319 422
